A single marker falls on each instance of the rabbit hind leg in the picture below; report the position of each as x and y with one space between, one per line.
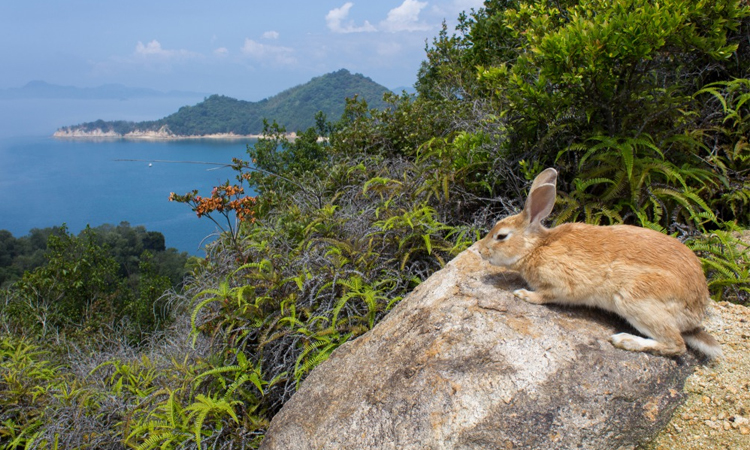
663 335
634 343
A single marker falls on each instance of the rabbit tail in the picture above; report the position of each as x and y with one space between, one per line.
703 342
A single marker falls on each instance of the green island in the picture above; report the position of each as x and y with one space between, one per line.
642 107
222 116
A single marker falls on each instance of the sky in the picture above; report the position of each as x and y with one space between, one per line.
244 49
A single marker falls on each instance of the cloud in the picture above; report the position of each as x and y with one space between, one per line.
271 35
148 57
268 53
154 50
405 17
221 51
336 17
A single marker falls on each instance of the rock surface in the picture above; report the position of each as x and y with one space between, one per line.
462 364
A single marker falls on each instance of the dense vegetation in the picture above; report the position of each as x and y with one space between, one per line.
642 106
294 108
105 278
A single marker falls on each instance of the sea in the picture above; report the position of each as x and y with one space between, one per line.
46 181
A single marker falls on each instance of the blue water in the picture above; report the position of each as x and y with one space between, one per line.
47 182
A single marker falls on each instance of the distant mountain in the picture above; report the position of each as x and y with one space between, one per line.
294 108
41 89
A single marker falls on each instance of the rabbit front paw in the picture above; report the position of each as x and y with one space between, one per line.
529 296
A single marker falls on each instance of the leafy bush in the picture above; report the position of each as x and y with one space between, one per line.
90 283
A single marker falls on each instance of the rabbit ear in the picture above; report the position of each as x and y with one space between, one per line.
547 176
540 202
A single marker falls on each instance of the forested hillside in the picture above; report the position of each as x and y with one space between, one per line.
294 109
642 106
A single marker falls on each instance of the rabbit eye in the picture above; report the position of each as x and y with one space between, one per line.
501 237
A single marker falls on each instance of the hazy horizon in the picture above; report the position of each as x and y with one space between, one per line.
243 49
32 86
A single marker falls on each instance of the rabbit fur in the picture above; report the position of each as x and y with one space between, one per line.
650 279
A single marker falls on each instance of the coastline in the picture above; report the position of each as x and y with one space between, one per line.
160 135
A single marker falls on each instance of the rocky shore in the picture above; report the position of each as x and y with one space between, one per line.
161 134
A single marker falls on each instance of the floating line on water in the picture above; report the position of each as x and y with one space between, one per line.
220 165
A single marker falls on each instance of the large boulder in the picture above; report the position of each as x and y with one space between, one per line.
462 364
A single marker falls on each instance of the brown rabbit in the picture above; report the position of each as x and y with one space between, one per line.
650 279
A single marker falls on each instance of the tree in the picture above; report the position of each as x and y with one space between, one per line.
77 288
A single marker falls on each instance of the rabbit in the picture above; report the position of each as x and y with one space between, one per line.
648 278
